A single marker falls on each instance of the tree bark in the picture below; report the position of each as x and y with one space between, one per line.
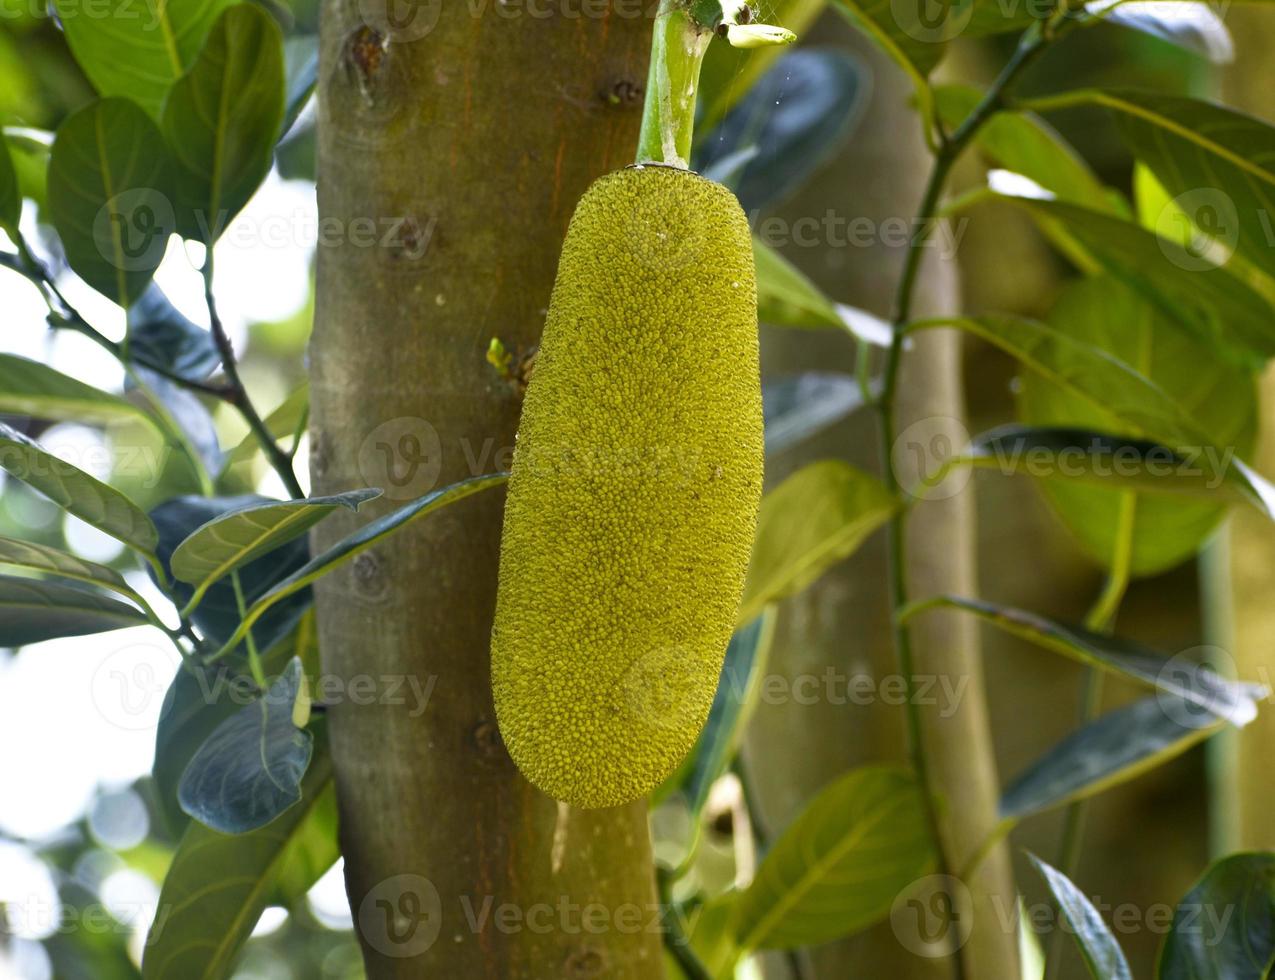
841 624
1244 756
452 151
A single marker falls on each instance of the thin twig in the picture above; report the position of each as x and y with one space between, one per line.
279 459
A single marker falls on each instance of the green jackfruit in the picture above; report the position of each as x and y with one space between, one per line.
632 504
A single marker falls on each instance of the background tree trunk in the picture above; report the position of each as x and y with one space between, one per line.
841 624
1245 758
463 142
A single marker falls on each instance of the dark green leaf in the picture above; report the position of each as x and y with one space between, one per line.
35 557
1198 391
840 865
10 195
812 521
217 616
301 67
909 32
249 770
1224 927
1116 462
1101 952
37 391
110 197
218 885
76 492
222 118
1200 686
33 611
788 125
202 697
159 335
1025 144
133 49
1218 163
29 153
236 538
1222 311
736 696
799 406
1194 27
1114 749
360 541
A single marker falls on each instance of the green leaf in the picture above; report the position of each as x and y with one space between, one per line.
218 885
1235 702
285 422
737 692
785 297
29 154
814 519
30 556
234 539
136 49
1114 749
201 697
222 118
358 542
33 611
1220 309
35 390
1194 27
249 770
1219 164
1199 391
301 66
76 492
798 406
1098 947
1027 145
160 336
110 197
10 196
909 33
1224 927
839 866
1114 462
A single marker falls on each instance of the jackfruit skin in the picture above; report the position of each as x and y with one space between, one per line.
632 505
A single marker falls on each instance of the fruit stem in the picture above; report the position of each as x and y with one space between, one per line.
683 30
677 54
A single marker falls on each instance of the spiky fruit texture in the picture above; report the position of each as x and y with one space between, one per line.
633 502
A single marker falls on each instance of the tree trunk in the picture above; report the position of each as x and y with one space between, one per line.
1244 756
842 623
451 156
